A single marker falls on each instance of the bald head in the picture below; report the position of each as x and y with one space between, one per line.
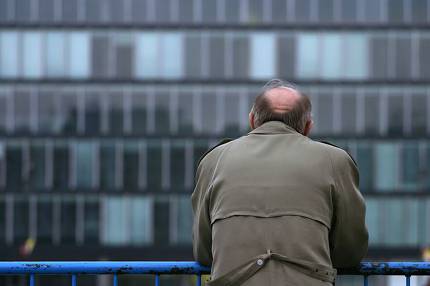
280 102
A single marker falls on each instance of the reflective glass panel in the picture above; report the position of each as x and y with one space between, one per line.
84 153
147 55
108 165
9 54
262 56
20 221
32 54
386 166
45 220
131 166
141 221
79 54
68 220
92 220
37 172
55 51
14 170
307 56
61 166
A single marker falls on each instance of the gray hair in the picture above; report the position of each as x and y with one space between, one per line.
296 118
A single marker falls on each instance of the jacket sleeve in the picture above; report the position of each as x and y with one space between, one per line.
202 230
348 235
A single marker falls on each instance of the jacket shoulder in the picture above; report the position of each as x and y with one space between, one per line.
217 146
338 150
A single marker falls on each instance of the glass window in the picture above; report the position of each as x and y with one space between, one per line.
419 112
386 166
372 113
70 10
154 166
231 114
357 56
124 55
100 55
331 64
47 111
94 10
364 159
162 112
256 8
84 153
307 56
395 114
185 113
395 10
20 221
141 221
209 11
240 57
161 221
324 122
4 103
47 10
349 10
3 11
2 165
139 112
92 220
403 58
67 113
22 110
131 166
424 46
193 56
372 221
186 11
177 166
303 10
32 54
92 112
185 220
2 221
162 10
147 51
9 54
61 166
326 11
79 54
68 220
279 11
372 10
217 56
108 165
139 11
263 54
55 58
116 112
286 56
14 167
116 9
172 55
410 167
209 107
379 64
419 11
44 220
115 230
38 166
349 112
232 11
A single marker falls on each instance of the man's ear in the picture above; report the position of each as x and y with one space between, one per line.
251 120
308 126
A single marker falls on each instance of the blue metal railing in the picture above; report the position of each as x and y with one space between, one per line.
158 268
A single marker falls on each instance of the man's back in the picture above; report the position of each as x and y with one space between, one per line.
280 209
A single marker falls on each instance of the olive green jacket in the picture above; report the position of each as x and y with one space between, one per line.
277 208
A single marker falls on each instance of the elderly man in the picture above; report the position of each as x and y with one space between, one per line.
275 207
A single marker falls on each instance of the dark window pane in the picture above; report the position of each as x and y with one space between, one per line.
37 166
286 56
240 57
2 221
107 166
20 221
177 166
403 58
92 113
154 166
303 10
232 11
395 10
185 220
22 111
193 56
410 167
94 10
68 113
162 10
61 165
185 113
424 58
116 9
3 11
349 10
140 109
22 10
348 110
279 11
14 161
139 11
100 56
371 114
419 11
162 112
68 221
186 11
216 58
372 10
395 115
364 160
379 64
161 222
209 112
48 102
324 123
116 119
419 113
231 115
209 10
70 10
84 164
326 11
44 221
124 56
200 148
3 111
47 10
91 221
131 166
255 11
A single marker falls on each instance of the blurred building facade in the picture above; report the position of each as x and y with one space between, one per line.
107 105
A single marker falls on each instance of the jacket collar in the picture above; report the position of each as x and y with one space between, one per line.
274 127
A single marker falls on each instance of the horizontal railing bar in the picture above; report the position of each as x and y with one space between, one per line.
184 267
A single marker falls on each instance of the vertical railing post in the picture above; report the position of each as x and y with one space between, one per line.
74 280
199 280
31 280
408 280
115 279
157 279
365 280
